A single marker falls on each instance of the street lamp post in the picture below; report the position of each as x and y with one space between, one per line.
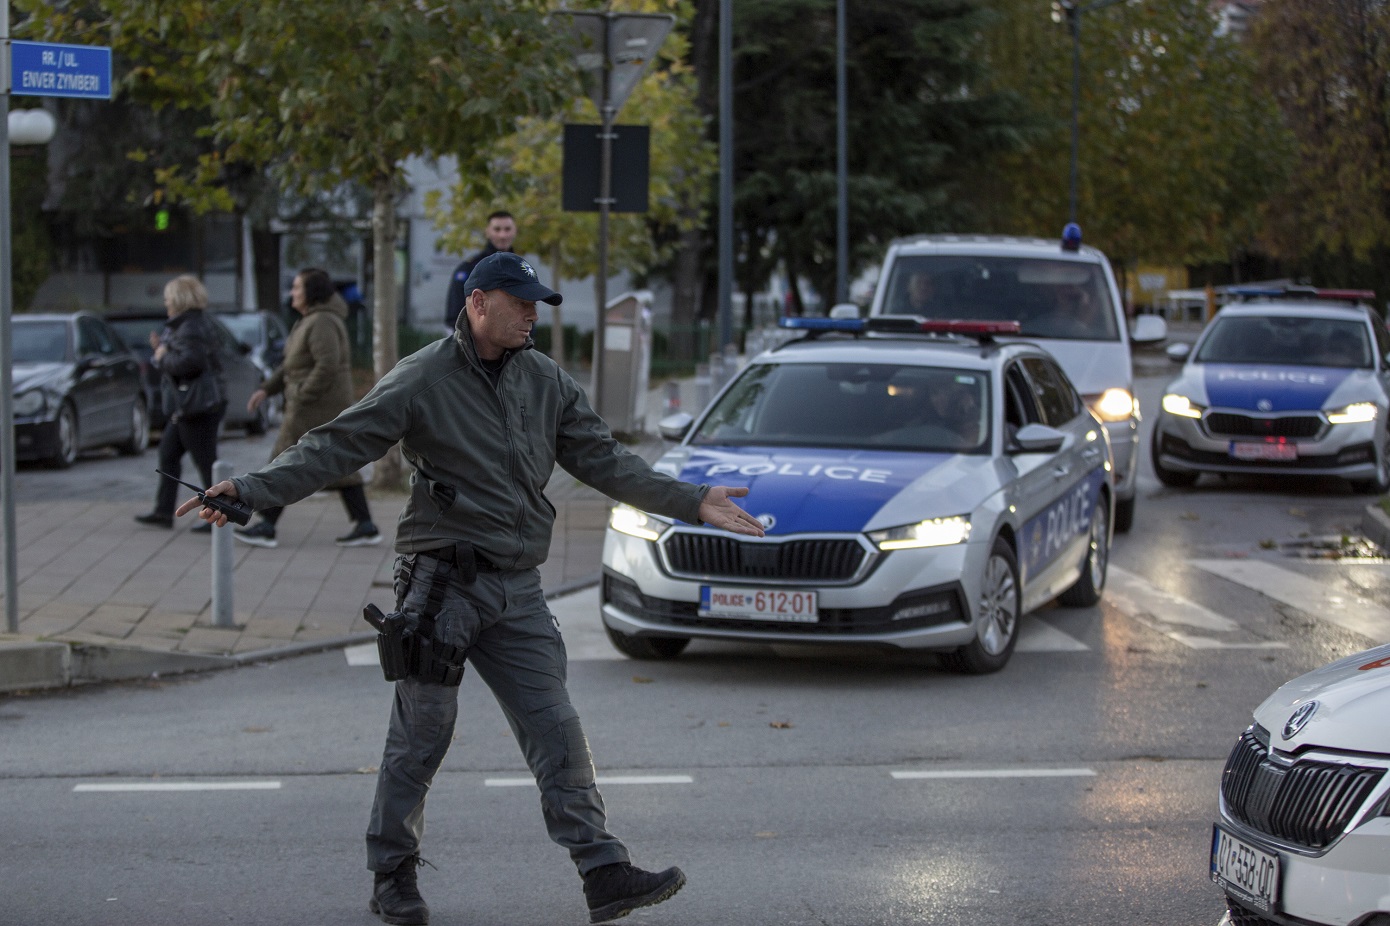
1070 11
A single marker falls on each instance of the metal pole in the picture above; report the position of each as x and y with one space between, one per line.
605 193
6 344
726 172
841 161
222 560
1074 21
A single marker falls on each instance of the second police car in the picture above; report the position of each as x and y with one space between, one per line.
919 492
1292 381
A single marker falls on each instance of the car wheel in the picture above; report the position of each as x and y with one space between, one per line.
65 454
996 626
139 430
1087 589
1379 485
1171 478
1124 514
637 647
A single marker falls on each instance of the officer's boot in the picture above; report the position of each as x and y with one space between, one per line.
396 899
616 890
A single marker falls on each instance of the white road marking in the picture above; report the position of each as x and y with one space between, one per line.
182 786
1158 609
1035 636
364 654
999 773
601 779
1348 610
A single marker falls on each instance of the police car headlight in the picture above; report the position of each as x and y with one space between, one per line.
938 532
1181 406
1355 413
1115 405
628 520
29 403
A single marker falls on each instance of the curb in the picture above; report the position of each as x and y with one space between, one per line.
1375 524
29 664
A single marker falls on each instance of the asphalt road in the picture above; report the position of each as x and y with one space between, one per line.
794 785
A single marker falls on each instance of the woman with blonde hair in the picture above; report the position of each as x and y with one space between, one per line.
191 389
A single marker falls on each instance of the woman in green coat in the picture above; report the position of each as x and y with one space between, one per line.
316 379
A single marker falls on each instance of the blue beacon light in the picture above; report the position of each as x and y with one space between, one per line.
1071 237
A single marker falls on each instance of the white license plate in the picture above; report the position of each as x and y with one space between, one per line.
758 604
1249 450
1250 873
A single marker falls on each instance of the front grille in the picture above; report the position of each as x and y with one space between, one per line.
830 560
1229 424
1307 803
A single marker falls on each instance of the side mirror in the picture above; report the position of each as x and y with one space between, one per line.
1149 329
1038 438
674 427
1178 352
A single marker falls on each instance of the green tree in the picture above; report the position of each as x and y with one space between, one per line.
525 168
916 121
342 91
1328 64
1178 144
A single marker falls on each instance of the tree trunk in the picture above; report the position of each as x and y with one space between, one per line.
385 351
685 296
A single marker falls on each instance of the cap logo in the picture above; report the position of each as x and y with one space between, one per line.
527 267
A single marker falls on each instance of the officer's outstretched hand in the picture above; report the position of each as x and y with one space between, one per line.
717 511
224 487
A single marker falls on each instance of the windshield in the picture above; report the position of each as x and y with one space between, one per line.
1048 298
246 328
40 342
136 331
1292 341
881 406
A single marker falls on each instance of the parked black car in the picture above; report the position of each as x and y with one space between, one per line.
76 386
241 374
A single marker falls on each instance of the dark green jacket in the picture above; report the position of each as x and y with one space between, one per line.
481 453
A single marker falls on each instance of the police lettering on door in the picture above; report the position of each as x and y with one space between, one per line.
1048 534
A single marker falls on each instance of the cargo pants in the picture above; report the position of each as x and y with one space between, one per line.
513 643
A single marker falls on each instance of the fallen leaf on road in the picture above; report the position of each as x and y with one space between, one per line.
641 680
780 725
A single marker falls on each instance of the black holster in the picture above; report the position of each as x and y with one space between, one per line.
407 653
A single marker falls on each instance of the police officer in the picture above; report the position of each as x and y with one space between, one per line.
500 233
483 419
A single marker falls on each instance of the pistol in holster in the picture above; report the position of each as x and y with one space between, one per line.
407 653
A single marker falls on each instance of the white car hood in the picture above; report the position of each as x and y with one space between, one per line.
1351 711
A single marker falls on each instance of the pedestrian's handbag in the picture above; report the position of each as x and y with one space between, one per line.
200 396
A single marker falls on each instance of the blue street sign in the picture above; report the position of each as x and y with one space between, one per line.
46 69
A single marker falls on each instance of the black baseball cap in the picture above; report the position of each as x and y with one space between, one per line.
507 271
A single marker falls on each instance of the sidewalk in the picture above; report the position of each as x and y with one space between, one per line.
103 598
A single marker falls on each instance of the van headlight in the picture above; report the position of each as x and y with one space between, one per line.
1115 404
30 403
628 520
938 532
1355 413
1181 406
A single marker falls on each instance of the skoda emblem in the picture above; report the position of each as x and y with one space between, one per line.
1264 405
767 521
1299 718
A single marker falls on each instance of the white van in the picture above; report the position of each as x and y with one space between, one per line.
1064 296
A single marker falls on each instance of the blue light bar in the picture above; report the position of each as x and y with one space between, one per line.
821 324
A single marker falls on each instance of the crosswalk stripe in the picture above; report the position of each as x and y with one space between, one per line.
1158 609
1318 599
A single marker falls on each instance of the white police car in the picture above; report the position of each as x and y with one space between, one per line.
919 492
1064 296
1295 381
1303 832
